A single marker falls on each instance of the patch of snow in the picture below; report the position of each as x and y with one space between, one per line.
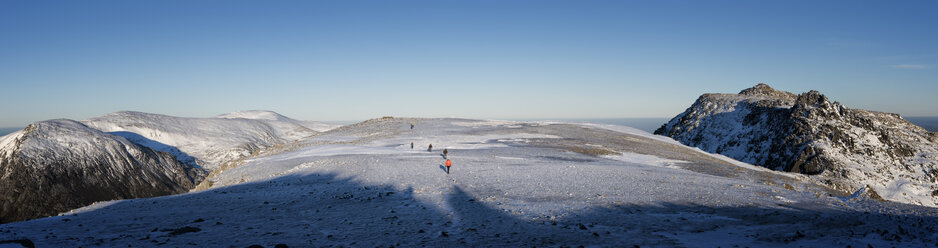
7 141
645 159
488 123
631 131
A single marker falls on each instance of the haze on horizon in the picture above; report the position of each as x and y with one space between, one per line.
355 60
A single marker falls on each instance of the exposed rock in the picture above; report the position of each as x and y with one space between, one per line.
182 230
764 90
841 147
869 192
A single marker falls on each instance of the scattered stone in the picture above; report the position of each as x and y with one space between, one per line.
182 230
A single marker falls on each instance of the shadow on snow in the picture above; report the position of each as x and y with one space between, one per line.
325 210
156 145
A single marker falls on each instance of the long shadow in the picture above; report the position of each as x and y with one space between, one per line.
316 210
156 145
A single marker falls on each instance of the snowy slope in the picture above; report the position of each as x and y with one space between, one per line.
281 121
208 141
513 184
845 149
57 165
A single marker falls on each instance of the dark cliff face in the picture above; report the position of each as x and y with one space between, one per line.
55 166
843 148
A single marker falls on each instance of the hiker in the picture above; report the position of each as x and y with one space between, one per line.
411 125
448 164
430 149
411 145
445 152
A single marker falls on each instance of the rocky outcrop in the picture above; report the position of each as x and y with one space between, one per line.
58 165
846 149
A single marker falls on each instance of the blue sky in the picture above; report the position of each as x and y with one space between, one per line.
354 60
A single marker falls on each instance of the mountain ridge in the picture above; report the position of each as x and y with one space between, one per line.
57 165
211 141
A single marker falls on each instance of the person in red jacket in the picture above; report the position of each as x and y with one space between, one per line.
448 164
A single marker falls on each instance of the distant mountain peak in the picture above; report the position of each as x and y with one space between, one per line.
255 115
765 90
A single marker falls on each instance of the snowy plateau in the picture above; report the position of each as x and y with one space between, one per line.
277 182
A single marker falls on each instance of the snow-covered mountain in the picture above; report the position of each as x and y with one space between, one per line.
514 184
57 165
53 166
281 121
207 141
843 148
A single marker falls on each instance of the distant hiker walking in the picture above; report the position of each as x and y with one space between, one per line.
411 125
445 152
430 148
448 164
411 145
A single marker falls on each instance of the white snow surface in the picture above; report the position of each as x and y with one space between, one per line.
645 159
207 141
363 186
7 142
275 118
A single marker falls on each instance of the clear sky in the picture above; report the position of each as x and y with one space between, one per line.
354 60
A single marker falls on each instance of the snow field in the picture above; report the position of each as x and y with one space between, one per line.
365 187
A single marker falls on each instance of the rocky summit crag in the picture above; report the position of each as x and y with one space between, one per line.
843 148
